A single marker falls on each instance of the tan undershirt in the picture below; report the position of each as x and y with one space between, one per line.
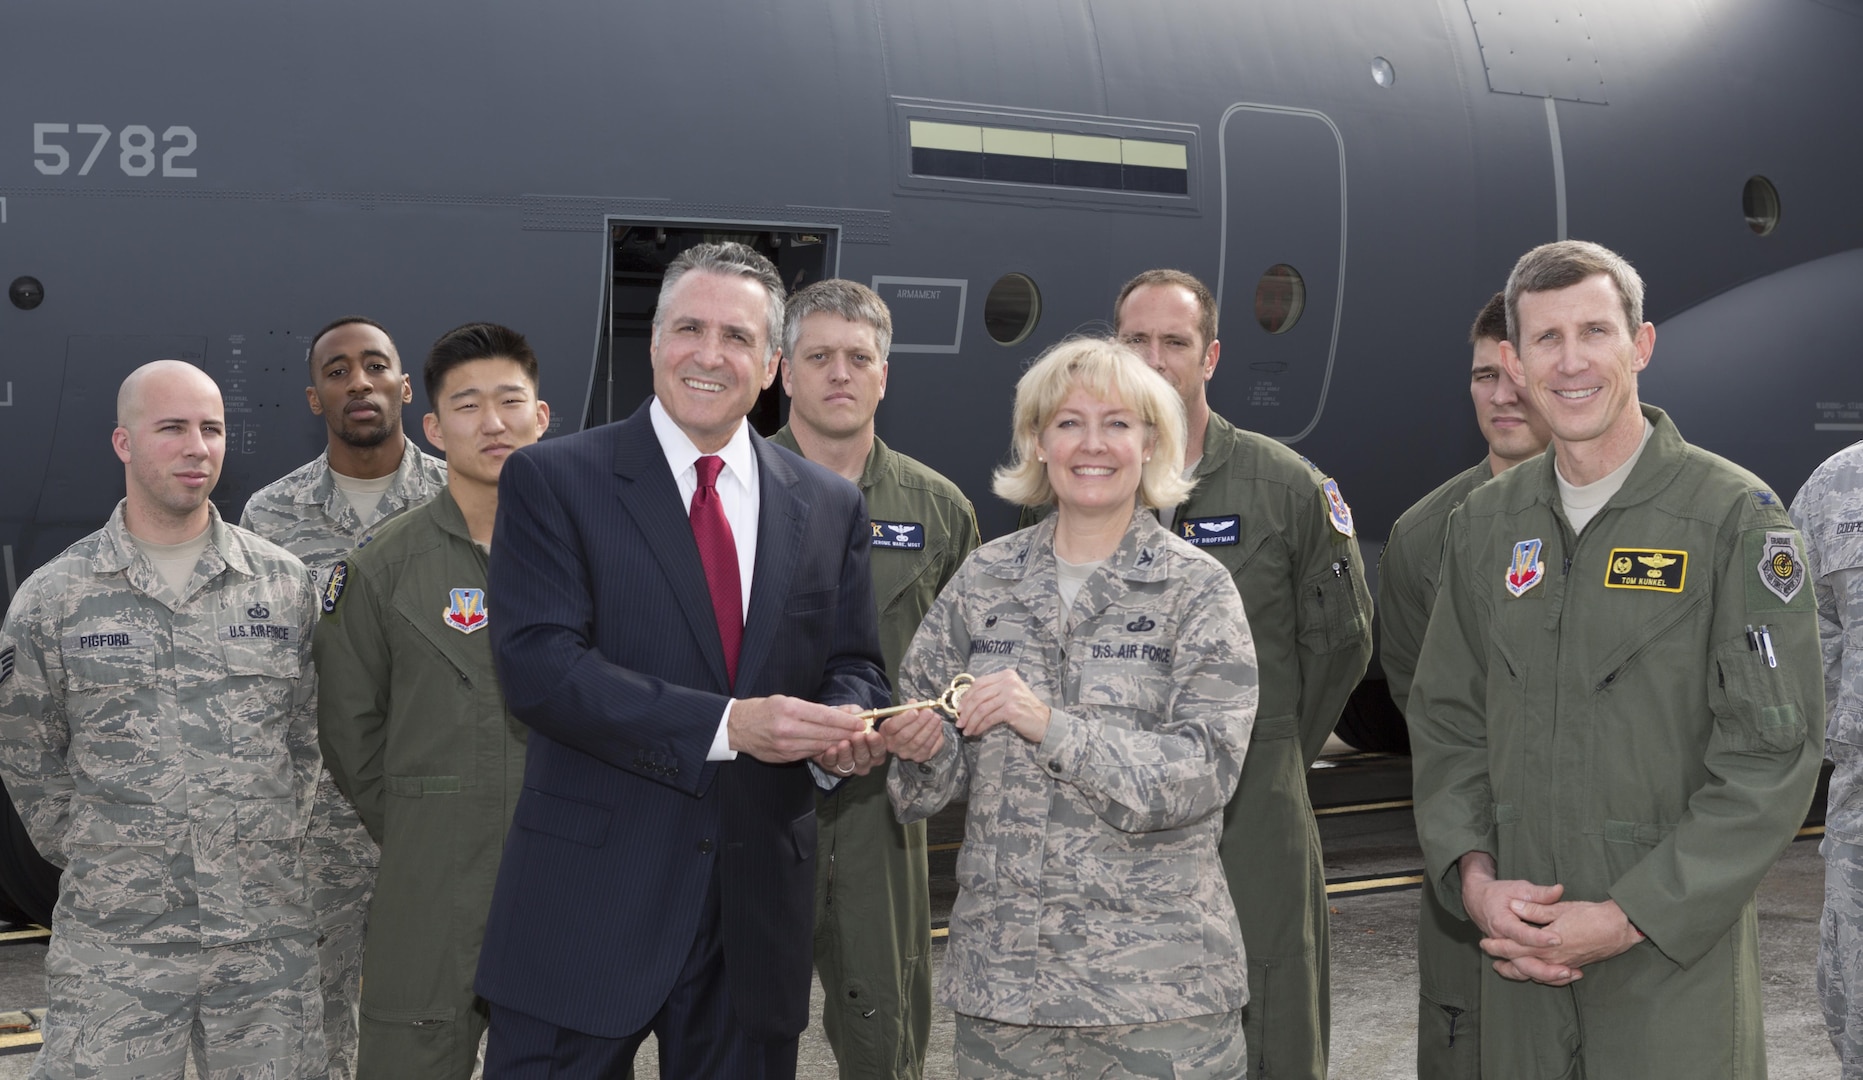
174 563
1583 503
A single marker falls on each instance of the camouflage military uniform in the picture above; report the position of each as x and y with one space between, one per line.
1091 893
304 513
1591 710
872 885
163 750
1449 956
1195 1048
1270 517
1829 511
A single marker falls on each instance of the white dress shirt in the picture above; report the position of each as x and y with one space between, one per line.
738 494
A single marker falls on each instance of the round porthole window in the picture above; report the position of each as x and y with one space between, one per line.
1012 309
1280 297
1382 72
1760 202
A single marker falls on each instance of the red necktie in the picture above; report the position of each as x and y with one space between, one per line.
718 553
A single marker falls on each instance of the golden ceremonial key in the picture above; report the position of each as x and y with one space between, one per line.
945 702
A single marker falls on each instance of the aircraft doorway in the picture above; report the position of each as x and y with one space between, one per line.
638 254
1282 270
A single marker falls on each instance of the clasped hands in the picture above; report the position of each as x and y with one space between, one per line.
1534 935
781 729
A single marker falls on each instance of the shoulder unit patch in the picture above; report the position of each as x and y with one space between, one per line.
1646 568
1336 509
1779 567
333 586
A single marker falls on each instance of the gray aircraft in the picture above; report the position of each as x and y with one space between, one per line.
214 180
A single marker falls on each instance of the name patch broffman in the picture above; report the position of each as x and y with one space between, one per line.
1156 653
898 535
1211 531
1845 528
992 647
1779 568
1646 568
257 632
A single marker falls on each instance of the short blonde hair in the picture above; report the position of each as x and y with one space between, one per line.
1111 372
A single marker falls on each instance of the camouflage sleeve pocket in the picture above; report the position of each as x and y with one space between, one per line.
1758 715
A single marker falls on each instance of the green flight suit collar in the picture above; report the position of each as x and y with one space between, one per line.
881 460
1219 441
1661 461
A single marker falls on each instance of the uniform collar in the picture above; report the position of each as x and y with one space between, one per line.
1138 558
1218 442
118 551
448 516
881 459
1661 460
406 488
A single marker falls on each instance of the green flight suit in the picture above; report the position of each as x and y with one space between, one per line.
1449 956
1601 711
1267 514
872 885
414 730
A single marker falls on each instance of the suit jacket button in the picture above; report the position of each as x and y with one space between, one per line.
705 847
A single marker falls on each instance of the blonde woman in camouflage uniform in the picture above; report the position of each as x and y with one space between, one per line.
1115 692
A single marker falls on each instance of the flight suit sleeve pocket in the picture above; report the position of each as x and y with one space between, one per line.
1332 616
1756 714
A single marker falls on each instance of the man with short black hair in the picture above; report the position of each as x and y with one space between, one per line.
1449 956
369 472
1613 718
412 721
872 884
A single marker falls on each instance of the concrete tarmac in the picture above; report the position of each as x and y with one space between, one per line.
1370 847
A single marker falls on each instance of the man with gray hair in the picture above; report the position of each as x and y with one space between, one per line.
1612 722
158 737
681 606
872 885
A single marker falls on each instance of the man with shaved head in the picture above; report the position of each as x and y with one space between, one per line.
369 472
158 738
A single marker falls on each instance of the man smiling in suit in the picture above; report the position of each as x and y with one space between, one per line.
681 606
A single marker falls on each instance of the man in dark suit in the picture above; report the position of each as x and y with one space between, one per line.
680 606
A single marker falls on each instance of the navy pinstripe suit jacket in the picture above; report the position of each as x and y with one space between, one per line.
607 649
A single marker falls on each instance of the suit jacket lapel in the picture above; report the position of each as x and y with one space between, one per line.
779 544
651 497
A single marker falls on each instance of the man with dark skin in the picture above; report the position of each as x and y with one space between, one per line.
369 472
